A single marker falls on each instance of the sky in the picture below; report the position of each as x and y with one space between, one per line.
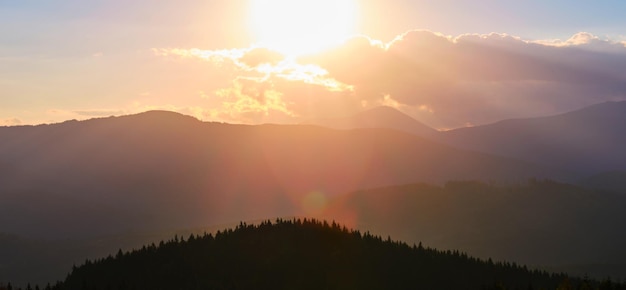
446 63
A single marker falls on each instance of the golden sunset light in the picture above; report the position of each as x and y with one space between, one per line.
298 27
312 144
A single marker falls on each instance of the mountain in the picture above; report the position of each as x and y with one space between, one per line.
161 171
379 117
300 254
91 181
589 141
547 224
165 170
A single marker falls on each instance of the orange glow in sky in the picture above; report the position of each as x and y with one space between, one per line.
446 63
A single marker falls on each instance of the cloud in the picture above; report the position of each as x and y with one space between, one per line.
268 87
216 56
251 101
587 41
258 56
10 122
260 63
477 78
442 80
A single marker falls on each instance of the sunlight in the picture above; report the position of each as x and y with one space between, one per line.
314 202
300 27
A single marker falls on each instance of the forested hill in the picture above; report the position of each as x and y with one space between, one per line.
302 254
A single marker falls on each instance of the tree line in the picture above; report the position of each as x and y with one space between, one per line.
303 254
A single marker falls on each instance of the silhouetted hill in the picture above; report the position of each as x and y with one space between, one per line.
379 117
299 254
589 141
542 223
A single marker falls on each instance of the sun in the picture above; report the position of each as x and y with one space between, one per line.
296 27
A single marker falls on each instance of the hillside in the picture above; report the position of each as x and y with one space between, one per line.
299 254
542 223
589 141
168 171
379 117
79 184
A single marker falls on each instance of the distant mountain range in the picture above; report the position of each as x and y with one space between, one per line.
588 141
160 171
166 170
379 117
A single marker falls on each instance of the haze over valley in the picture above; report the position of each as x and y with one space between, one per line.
128 180
433 136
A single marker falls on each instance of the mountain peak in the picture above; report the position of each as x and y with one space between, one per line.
378 117
160 117
161 114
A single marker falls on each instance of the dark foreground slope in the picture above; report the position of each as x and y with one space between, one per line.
299 255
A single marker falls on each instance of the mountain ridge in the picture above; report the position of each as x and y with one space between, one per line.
133 159
588 140
160 170
378 117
